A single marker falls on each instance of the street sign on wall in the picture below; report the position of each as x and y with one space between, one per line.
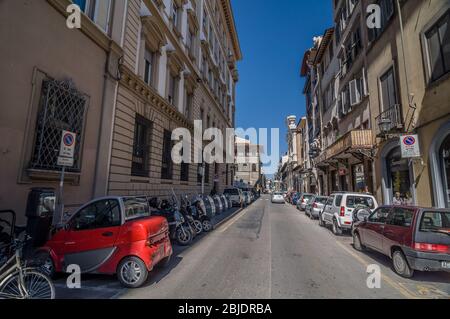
410 146
65 161
67 148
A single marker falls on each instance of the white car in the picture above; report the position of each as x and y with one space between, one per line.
338 211
277 198
236 196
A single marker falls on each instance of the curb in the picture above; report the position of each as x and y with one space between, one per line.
228 218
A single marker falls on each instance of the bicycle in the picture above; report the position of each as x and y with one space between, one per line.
17 281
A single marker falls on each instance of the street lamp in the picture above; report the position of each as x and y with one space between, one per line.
385 125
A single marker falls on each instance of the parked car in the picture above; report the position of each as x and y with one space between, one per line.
112 235
304 200
414 238
338 211
236 196
315 206
277 198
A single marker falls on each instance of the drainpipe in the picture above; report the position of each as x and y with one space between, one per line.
402 37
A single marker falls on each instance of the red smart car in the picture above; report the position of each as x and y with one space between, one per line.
415 238
112 235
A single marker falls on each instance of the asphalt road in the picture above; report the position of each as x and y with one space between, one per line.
270 251
274 251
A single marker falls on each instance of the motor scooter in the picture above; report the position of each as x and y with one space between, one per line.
201 214
179 230
189 213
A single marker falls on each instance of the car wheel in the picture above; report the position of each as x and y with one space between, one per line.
321 222
357 243
132 272
336 229
401 266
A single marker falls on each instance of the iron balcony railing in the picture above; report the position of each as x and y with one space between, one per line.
390 120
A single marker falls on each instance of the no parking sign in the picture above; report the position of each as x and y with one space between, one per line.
410 146
67 148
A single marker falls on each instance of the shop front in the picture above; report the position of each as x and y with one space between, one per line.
397 176
440 167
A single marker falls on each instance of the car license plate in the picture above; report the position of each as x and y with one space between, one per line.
445 264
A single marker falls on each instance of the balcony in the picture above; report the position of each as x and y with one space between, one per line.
389 121
353 140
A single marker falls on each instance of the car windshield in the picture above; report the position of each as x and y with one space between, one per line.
231 192
136 208
436 221
321 200
360 201
277 194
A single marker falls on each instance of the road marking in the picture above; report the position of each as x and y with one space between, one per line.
229 223
404 291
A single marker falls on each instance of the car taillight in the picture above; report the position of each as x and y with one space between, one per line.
342 214
432 248
315 205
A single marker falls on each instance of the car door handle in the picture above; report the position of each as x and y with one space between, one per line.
108 234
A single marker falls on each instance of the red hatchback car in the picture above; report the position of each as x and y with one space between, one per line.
112 235
415 238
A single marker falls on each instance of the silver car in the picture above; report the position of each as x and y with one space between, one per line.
304 200
277 198
315 206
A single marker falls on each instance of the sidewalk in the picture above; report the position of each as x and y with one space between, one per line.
107 287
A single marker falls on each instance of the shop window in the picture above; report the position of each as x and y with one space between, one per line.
445 164
399 178
359 180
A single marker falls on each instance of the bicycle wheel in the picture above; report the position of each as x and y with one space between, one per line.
35 286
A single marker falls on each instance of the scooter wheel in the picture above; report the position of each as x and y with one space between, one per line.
184 238
207 226
198 227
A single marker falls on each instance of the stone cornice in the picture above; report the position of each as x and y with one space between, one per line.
228 12
149 95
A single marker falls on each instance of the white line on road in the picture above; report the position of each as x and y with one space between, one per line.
404 291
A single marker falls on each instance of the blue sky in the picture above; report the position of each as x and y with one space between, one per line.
274 34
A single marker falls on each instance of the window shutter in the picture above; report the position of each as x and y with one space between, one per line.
353 93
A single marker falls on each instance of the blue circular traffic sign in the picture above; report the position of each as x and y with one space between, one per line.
409 141
68 139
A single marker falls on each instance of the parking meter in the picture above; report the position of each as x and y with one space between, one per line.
39 212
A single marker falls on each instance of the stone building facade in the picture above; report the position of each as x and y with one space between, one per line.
55 79
179 65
